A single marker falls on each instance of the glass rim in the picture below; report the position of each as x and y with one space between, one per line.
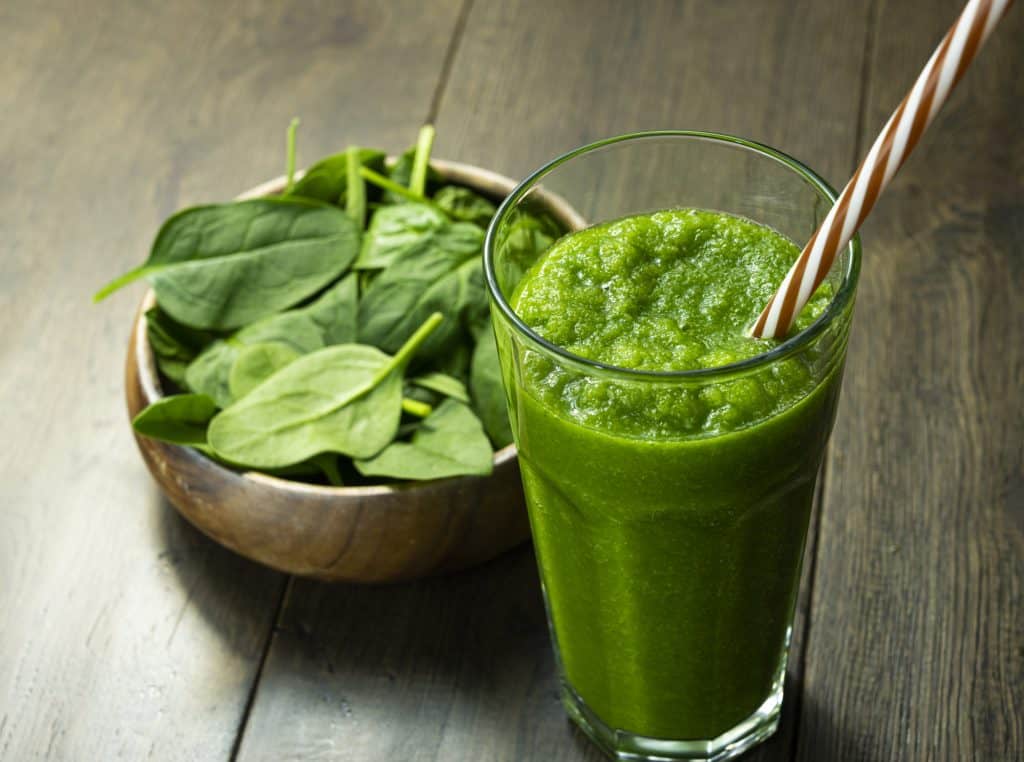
836 307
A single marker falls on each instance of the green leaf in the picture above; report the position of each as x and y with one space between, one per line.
476 315
449 442
210 372
394 230
415 285
255 364
464 205
174 370
455 361
335 312
223 266
180 418
330 319
412 229
488 392
366 277
419 394
520 242
443 384
174 345
327 180
345 399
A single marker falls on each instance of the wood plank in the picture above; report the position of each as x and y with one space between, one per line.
126 634
460 668
918 607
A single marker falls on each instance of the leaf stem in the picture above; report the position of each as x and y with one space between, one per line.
328 463
416 408
387 184
408 349
421 160
120 282
290 155
355 198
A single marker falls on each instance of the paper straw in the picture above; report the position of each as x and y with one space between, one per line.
891 148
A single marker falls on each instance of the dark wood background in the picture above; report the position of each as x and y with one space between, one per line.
126 635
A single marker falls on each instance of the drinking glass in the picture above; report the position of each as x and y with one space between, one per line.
669 544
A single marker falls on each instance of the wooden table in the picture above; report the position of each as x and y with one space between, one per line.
126 635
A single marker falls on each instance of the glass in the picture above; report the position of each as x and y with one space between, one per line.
669 564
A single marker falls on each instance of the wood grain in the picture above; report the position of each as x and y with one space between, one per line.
460 669
125 634
915 648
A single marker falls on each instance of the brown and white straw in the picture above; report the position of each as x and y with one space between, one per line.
897 139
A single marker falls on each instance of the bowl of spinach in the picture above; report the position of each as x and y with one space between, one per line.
312 377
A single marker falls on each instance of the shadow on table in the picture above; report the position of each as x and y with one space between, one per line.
824 737
236 597
478 625
460 663
463 659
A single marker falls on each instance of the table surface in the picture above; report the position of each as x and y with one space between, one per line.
127 635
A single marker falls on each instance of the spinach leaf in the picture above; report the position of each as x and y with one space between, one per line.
255 364
420 394
414 286
443 384
464 205
180 418
331 319
173 369
449 442
455 362
223 266
174 345
210 372
327 180
394 230
401 171
488 393
409 229
520 241
366 277
476 316
335 311
345 399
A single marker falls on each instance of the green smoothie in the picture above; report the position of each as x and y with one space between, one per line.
668 516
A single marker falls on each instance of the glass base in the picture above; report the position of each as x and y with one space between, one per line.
623 745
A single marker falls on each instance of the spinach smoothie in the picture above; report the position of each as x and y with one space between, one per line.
668 512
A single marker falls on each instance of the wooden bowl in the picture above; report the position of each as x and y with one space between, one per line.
355 534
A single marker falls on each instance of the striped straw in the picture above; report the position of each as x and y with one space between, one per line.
897 139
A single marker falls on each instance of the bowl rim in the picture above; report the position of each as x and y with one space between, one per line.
478 178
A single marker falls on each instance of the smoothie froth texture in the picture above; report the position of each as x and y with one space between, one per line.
668 517
672 290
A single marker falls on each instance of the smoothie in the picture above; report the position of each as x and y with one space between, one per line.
668 515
